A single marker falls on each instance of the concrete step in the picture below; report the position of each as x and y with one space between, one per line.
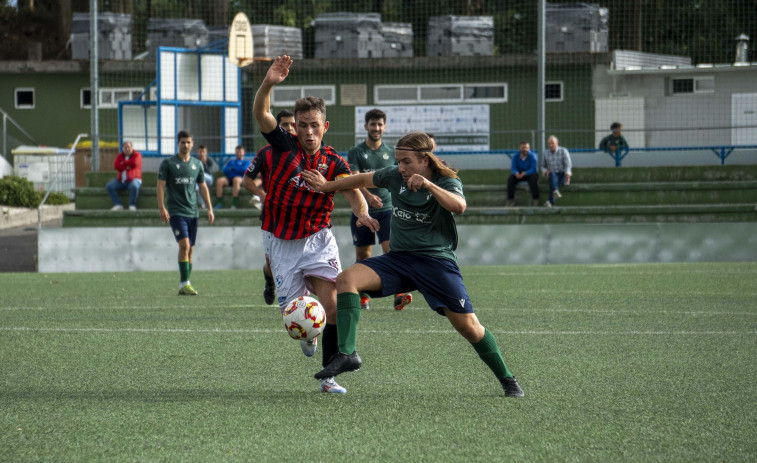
96 198
575 194
629 174
100 179
617 194
691 213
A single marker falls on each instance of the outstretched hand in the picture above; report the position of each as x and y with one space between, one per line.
368 221
279 70
314 178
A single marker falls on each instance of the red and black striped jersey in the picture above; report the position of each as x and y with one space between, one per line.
292 210
260 165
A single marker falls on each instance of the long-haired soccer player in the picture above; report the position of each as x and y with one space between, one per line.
426 195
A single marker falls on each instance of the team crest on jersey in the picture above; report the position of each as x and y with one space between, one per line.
386 156
323 168
178 166
194 167
365 155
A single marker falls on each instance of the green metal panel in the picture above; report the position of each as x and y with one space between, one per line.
56 118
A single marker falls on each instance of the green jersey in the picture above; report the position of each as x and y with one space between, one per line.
181 179
419 223
363 159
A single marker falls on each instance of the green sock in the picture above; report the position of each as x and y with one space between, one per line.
234 201
489 352
347 318
189 273
184 270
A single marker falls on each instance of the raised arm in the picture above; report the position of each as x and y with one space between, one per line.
261 108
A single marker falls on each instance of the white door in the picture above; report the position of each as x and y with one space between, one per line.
744 113
627 111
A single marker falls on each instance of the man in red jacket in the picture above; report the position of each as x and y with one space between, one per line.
128 167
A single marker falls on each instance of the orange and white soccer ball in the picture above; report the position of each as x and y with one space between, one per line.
304 318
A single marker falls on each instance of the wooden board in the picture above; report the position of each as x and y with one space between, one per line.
240 41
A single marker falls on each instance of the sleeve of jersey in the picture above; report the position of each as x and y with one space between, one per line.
255 165
381 176
352 160
163 170
280 139
200 173
341 168
453 185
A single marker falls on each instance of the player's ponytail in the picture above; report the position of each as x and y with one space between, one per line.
422 145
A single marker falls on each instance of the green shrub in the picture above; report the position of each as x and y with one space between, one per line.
20 192
55 198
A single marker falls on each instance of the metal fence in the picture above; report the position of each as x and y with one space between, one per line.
676 74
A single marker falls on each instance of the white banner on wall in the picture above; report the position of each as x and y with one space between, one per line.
455 127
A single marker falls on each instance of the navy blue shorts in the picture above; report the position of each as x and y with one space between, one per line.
438 279
184 227
363 236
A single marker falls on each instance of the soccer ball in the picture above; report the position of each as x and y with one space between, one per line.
304 318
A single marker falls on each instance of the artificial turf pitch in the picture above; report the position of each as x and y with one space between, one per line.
619 362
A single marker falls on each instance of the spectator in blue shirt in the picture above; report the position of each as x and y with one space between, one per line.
524 168
233 173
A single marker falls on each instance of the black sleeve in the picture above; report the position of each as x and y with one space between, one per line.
281 140
256 165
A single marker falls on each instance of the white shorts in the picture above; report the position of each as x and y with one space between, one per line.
292 261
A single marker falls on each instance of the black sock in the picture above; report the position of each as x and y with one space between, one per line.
329 343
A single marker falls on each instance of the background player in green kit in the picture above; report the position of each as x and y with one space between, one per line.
425 197
177 203
369 156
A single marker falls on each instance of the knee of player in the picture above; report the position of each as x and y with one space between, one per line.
345 282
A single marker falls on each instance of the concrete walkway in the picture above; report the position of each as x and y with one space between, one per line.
18 235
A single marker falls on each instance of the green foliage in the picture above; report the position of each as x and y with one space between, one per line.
20 192
55 198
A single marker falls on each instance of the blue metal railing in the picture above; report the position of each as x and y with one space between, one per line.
721 151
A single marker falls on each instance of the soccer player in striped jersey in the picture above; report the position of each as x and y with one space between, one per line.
297 219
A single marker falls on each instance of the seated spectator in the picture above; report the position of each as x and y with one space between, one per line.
557 168
233 173
209 166
615 141
524 168
128 165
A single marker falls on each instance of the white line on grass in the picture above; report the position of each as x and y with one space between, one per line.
695 313
413 332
